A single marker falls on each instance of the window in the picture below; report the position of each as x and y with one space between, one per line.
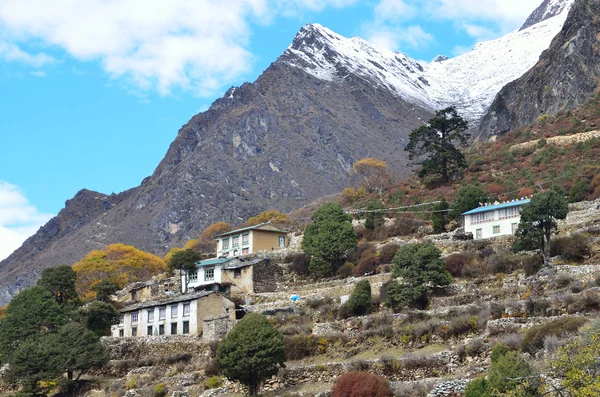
480 217
173 328
162 313
134 318
150 315
496 229
209 274
235 242
509 212
161 329
514 228
226 244
174 311
246 239
134 331
281 241
121 333
186 309
186 327
122 319
149 330
133 295
478 234
245 251
193 276
237 273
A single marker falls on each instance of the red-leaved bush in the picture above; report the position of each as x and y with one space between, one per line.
361 384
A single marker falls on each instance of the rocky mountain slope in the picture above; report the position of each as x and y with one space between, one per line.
282 141
564 78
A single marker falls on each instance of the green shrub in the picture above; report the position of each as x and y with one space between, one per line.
478 387
534 338
159 390
213 382
578 191
360 300
510 372
319 267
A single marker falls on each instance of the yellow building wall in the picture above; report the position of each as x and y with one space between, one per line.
266 240
240 285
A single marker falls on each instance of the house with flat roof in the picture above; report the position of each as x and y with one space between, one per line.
251 239
492 220
237 276
190 314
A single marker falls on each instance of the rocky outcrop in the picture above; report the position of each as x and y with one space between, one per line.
546 10
564 78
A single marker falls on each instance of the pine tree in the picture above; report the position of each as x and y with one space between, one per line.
436 142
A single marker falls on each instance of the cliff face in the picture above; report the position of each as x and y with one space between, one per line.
565 76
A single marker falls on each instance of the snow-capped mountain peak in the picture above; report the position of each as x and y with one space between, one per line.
469 81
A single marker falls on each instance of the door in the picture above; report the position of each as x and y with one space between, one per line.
478 234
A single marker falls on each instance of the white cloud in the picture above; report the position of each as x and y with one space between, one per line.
12 53
153 44
393 20
38 73
18 218
460 49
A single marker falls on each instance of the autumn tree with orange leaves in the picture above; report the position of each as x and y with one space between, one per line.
118 263
370 174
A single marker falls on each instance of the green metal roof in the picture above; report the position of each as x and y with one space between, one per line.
213 261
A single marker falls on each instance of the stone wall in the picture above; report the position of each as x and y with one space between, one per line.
217 328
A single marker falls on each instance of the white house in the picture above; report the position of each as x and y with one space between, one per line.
181 315
236 276
494 220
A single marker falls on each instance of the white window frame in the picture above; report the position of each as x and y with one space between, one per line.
193 276
174 311
162 313
135 317
150 315
211 272
186 309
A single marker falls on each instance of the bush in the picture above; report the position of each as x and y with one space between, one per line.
387 252
531 264
455 263
319 267
345 270
360 300
298 346
159 390
406 225
212 368
578 191
366 265
299 264
534 338
574 247
462 325
354 254
590 301
478 387
213 382
361 384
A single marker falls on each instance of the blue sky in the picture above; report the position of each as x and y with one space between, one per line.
94 91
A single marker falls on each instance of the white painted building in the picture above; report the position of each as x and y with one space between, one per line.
251 239
181 315
494 220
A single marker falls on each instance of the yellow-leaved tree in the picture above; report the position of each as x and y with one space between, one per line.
120 264
273 216
205 244
370 174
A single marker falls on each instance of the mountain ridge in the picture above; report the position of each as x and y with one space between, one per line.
279 142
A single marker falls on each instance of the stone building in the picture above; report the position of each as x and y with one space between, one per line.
188 314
